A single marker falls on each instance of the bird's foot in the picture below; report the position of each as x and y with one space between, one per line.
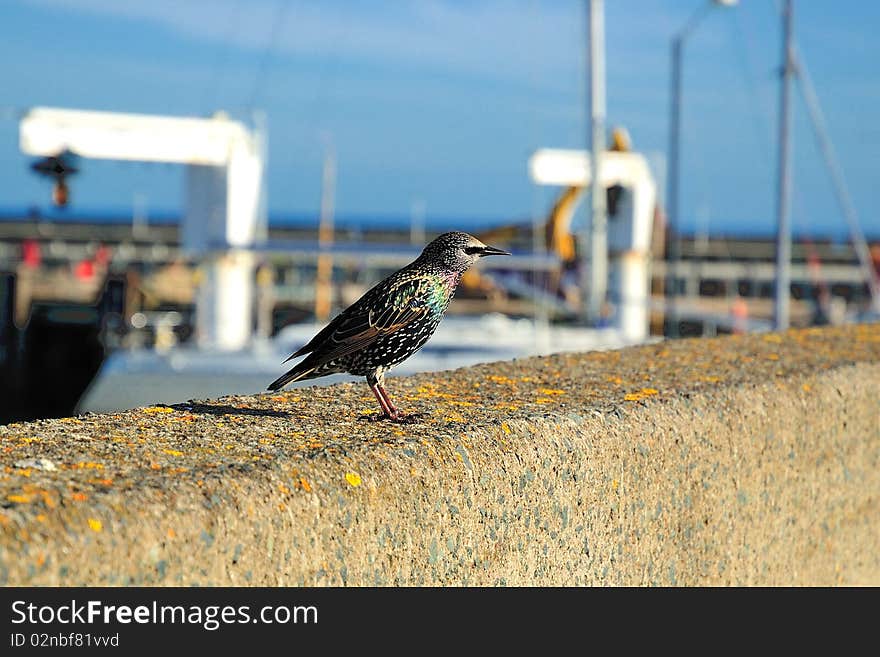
398 418
409 418
373 417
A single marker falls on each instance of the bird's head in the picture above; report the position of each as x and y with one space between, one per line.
457 251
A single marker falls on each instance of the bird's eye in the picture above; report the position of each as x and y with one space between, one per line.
471 250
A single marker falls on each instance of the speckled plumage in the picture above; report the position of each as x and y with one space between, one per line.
392 320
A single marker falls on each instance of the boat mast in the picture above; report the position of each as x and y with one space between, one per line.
324 273
598 237
783 225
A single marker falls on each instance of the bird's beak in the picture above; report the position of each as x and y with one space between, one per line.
491 250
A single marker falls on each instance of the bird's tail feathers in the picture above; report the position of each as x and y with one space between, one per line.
295 374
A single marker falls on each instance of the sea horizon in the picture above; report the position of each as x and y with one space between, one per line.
393 221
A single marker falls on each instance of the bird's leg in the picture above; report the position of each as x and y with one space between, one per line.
392 411
376 382
381 399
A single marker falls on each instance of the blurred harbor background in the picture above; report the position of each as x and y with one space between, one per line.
190 189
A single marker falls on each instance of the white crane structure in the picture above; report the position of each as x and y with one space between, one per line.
628 236
224 213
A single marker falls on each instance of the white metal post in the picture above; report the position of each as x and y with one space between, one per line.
598 268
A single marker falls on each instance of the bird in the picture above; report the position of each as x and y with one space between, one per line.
392 320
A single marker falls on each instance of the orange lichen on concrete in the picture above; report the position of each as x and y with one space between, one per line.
158 409
641 394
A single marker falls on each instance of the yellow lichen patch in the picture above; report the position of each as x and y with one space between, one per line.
170 533
102 482
284 489
305 485
79 497
641 394
772 337
710 379
614 484
19 499
25 472
69 419
543 400
501 379
430 392
807 387
86 465
95 525
773 356
505 427
353 478
173 452
552 391
157 409
614 379
41 517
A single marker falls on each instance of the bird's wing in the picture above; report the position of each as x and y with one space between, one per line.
361 325
316 341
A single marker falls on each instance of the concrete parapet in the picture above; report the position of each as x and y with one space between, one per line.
738 460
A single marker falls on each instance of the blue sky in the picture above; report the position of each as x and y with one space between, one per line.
443 101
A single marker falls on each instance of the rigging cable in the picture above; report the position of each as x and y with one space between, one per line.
262 68
210 96
826 147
